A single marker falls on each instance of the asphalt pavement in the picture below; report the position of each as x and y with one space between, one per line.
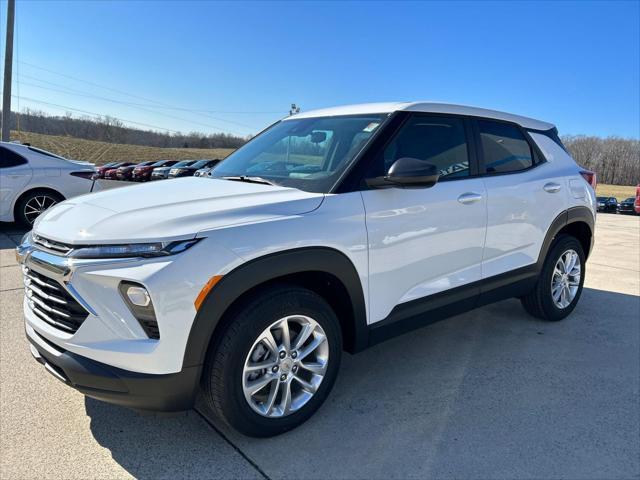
489 394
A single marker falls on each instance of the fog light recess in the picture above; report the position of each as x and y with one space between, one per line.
139 302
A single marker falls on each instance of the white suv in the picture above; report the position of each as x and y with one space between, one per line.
332 230
33 180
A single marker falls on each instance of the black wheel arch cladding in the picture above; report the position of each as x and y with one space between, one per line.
269 268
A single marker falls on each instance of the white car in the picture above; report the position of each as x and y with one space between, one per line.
332 230
33 180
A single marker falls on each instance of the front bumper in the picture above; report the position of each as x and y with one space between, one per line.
166 393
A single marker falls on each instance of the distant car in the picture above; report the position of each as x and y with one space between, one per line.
99 173
112 173
607 204
32 180
636 204
125 172
162 173
627 206
190 170
142 173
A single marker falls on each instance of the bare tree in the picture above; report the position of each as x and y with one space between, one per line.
615 160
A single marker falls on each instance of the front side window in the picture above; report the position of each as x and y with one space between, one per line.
307 153
504 147
441 141
9 158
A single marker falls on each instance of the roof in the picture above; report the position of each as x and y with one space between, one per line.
427 107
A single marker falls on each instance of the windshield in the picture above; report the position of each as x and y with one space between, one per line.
309 153
601 199
44 152
184 163
200 163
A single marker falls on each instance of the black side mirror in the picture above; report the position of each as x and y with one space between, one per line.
408 172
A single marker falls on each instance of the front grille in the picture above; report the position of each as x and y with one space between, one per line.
51 302
50 245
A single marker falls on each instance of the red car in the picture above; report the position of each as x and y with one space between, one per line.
636 204
99 173
142 173
125 172
111 173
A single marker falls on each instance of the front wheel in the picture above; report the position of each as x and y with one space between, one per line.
275 362
560 283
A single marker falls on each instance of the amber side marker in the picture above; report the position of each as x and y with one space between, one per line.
205 290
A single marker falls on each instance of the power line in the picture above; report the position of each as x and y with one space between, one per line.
64 107
165 105
217 127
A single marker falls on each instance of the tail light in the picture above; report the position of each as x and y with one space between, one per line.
86 174
590 177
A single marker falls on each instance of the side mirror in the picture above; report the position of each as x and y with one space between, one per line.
408 172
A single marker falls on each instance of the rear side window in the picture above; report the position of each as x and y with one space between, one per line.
504 148
9 158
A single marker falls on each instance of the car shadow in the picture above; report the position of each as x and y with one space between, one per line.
164 446
13 230
481 394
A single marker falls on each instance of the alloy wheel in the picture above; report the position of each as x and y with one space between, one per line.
565 280
285 366
37 205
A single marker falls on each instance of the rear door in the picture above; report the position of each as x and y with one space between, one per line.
15 174
524 196
424 241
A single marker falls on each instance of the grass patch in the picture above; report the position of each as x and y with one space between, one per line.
619 191
103 152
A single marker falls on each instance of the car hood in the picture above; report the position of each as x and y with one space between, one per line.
168 211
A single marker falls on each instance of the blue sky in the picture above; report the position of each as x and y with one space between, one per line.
236 67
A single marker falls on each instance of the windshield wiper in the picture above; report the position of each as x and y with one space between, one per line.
248 179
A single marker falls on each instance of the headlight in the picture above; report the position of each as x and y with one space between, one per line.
158 249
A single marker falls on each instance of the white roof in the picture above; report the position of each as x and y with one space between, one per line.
427 107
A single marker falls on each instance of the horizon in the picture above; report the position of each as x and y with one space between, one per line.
228 68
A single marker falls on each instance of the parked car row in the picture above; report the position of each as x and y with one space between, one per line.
629 205
153 170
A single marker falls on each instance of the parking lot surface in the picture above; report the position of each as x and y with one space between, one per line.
492 393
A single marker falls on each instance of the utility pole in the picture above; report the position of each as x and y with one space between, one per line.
8 65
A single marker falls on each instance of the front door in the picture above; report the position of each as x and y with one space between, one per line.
424 241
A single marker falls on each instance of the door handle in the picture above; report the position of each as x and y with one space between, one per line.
552 187
469 197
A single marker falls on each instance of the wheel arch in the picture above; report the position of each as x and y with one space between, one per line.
31 190
578 222
323 270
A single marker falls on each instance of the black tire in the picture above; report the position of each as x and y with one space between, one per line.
539 302
222 378
20 215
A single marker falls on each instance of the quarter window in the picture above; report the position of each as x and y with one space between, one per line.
9 158
440 141
504 148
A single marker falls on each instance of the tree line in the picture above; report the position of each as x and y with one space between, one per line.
112 130
615 160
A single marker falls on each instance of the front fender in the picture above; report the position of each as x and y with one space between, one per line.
267 268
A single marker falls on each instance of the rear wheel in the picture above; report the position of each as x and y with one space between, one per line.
275 362
33 204
559 286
